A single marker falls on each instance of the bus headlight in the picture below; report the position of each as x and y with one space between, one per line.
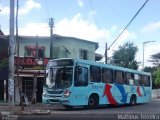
45 95
66 93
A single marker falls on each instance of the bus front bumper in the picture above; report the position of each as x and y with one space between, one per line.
50 100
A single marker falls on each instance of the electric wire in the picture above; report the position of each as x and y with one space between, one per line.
128 24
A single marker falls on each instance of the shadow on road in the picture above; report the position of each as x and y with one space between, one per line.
78 108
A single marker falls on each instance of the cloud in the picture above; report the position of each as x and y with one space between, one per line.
4 10
28 6
79 28
126 36
152 27
92 13
34 29
81 3
149 49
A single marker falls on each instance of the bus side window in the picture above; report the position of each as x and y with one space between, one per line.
95 74
107 75
129 78
81 76
146 80
140 80
119 77
136 81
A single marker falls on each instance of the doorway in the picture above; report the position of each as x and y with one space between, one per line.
39 89
27 87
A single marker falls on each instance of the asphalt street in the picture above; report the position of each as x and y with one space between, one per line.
149 111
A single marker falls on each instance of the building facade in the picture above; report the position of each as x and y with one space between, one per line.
34 53
63 47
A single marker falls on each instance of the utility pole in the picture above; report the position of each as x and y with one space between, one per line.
34 99
144 43
51 25
106 54
17 89
11 57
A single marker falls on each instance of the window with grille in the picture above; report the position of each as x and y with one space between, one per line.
83 54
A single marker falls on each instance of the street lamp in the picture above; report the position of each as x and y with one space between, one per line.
143 51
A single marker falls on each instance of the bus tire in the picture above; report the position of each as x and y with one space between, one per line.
133 100
93 101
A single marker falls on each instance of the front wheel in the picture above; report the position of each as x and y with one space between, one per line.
92 102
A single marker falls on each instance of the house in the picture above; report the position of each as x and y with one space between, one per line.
30 75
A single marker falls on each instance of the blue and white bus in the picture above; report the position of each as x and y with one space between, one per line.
76 82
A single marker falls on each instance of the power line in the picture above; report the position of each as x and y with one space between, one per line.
107 48
128 24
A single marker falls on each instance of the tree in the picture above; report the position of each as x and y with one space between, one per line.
125 56
157 77
155 59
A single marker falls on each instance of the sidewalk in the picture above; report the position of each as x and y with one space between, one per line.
8 112
38 108
155 99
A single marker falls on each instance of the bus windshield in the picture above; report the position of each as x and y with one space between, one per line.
59 77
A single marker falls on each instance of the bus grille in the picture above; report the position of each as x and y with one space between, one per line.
55 92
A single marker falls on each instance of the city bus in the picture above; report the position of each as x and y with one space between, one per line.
77 82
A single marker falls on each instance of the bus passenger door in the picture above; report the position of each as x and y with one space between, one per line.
80 85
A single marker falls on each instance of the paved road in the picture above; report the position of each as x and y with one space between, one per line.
143 112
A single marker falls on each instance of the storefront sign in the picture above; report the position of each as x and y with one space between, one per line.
30 61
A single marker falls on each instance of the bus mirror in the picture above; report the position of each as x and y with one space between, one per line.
130 81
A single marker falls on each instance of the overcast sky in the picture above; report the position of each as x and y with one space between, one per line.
94 20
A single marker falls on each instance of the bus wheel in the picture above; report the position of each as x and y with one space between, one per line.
133 100
93 101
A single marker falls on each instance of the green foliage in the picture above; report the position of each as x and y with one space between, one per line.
155 59
125 56
157 77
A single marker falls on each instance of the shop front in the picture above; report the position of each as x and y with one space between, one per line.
29 78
